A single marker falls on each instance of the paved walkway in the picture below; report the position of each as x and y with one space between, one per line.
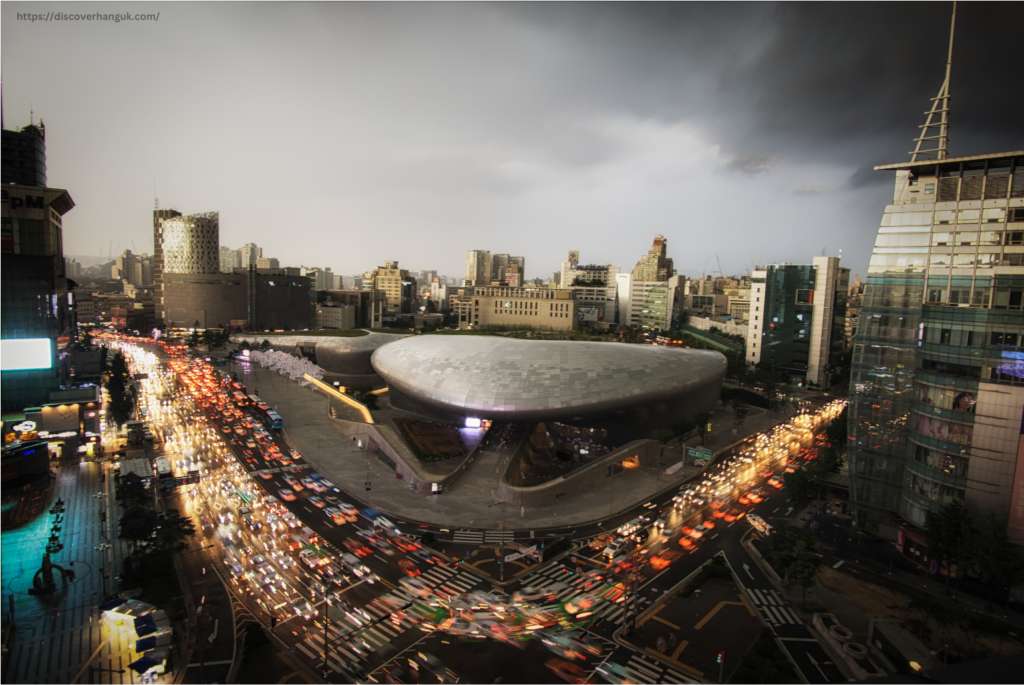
55 637
472 502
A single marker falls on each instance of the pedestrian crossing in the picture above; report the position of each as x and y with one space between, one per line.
479 537
774 607
365 632
645 671
617 607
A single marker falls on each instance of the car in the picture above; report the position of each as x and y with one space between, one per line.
356 547
291 520
311 558
686 543
612 672
745 498
685 531
317 502
601 541
709 524
756 496
629 527
409 568
775 482
659 523
666 557
286 494
767 472
308 482
292 481
718 513
304 609
734 514
698 532
616 547
265 475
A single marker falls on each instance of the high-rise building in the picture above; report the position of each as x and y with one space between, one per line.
132 268
796 318
72 268
183 245
37 320
478 267
937 391
229 260
24 156
274 263
568 272
655 265
248 254
398 286
650 304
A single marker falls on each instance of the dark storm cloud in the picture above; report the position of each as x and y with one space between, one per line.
529 128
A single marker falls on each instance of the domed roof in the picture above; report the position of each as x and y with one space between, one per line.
493 377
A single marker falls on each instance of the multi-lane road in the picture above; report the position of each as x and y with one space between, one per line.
376 621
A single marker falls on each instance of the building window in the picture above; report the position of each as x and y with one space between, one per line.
929 188
1000 338
1013 238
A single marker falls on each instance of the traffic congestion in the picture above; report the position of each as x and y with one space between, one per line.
351 588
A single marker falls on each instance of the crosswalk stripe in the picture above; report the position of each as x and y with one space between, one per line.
305 650
756 594
793 614
775 616
644 668
675 676
334 663
771 600
615 616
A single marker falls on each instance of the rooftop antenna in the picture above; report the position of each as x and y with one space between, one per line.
938 117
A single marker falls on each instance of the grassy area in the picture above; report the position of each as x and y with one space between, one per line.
716 569
764 663
326 333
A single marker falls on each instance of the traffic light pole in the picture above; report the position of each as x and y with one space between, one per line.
721 665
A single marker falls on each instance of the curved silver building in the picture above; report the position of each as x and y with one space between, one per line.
335 355
627 389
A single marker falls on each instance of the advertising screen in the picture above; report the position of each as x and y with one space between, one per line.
25 353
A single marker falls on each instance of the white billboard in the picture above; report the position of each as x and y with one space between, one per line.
26 353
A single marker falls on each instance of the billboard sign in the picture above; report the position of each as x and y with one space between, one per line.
22 354
61 418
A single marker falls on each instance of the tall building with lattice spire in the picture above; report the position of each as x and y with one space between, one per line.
937 389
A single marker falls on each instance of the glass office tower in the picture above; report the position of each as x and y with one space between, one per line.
937 393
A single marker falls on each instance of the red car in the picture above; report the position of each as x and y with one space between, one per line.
409 568
710 523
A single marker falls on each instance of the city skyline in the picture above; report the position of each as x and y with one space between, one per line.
578 127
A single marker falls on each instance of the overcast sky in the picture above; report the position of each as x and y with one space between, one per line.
344 135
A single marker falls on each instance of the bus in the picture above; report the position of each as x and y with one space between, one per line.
267 415
163 468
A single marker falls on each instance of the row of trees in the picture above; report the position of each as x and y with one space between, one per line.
142 528
957 540
120 392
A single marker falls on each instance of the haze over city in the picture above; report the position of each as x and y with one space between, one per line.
344 135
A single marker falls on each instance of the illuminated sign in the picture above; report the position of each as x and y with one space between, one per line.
25 353
25 426
472 423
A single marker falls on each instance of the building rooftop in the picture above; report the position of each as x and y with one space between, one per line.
933 162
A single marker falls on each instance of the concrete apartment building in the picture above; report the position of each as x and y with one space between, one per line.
501 306
398 286
797 318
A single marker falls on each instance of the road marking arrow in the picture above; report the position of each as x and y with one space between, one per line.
813 661
789 511
747 569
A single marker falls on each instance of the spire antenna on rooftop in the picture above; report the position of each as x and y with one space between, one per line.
938 116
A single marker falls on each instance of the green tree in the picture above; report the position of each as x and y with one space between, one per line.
137 526
265 345
431 307
837 430
194 340
1001 567
119 407
948 534
702 419
799 487
132 491
172 532
662 435
803 566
